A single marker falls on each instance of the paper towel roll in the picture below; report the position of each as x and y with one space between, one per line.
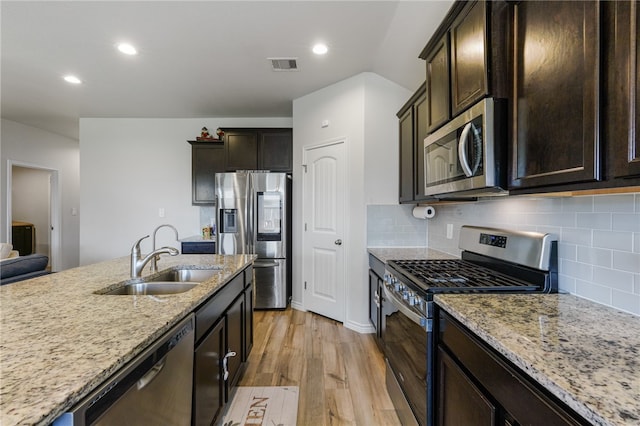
424 212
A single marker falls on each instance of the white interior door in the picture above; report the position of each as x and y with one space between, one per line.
324 245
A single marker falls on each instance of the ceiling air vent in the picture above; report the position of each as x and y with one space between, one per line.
284 64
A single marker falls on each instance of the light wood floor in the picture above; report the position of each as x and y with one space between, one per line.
340 373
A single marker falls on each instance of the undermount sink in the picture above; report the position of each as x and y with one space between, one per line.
153 288
172 281
181 275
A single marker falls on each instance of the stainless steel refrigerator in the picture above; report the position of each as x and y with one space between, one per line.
254 216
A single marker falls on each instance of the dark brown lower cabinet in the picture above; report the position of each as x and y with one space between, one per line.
208 399
224 325
478 386
235 342
456 390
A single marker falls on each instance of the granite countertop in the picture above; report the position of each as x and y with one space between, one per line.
59 339
584 353
384 254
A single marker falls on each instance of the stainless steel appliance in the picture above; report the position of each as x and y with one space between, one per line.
153 389
492 260
253 212
468 155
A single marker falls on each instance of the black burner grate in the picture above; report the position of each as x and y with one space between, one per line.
453 275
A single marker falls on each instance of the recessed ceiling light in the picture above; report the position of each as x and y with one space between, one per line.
72 79
320 49
127 49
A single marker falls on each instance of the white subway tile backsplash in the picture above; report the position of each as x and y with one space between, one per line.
394 226
567 251
593 220
577 270
626 261
626 222
594 256
566 284
577 204
613 203
599 238
625 301
576 236
612 278
613 240
595 292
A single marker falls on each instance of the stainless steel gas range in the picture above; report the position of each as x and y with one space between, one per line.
492 260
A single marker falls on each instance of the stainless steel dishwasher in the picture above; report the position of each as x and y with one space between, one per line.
153 389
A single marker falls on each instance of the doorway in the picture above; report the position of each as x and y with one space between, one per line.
34 204
324 195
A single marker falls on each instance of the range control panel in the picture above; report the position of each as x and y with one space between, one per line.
493 240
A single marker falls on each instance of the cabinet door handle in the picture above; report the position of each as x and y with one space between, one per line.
225 368
338 242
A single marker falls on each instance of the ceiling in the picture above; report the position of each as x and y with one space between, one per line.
197 58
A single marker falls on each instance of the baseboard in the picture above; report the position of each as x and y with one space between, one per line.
297 306
359 327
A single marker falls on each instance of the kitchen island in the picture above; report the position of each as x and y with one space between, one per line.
59 339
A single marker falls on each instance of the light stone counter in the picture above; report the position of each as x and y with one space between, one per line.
59 340
384 254
586 354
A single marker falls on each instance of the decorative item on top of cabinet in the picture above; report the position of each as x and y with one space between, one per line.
413 130
622 107
556 85
259 149
207 159
466 59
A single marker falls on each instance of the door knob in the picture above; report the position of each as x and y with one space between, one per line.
338 242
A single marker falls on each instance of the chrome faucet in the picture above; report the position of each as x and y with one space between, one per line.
137 264
154 262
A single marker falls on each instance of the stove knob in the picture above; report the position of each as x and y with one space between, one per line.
412 300
406 295
398 286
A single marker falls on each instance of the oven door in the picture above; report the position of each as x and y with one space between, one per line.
406 344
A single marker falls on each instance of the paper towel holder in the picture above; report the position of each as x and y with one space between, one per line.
424 212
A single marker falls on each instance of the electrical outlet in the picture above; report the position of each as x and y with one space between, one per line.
449 231
161 212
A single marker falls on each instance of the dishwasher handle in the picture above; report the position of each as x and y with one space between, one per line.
152 374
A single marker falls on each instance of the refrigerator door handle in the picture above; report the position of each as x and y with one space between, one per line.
268 263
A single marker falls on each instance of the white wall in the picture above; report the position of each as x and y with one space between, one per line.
599 239
34 147
130 168
362 110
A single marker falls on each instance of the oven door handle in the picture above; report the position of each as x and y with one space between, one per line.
421 321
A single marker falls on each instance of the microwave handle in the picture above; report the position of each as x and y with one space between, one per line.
462 150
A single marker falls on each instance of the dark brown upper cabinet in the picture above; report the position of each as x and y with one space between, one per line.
207 159
622 108
242 150
555 101
413 129
438 85
466 59
259 149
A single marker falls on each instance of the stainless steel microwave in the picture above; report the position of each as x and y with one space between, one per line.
467 156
